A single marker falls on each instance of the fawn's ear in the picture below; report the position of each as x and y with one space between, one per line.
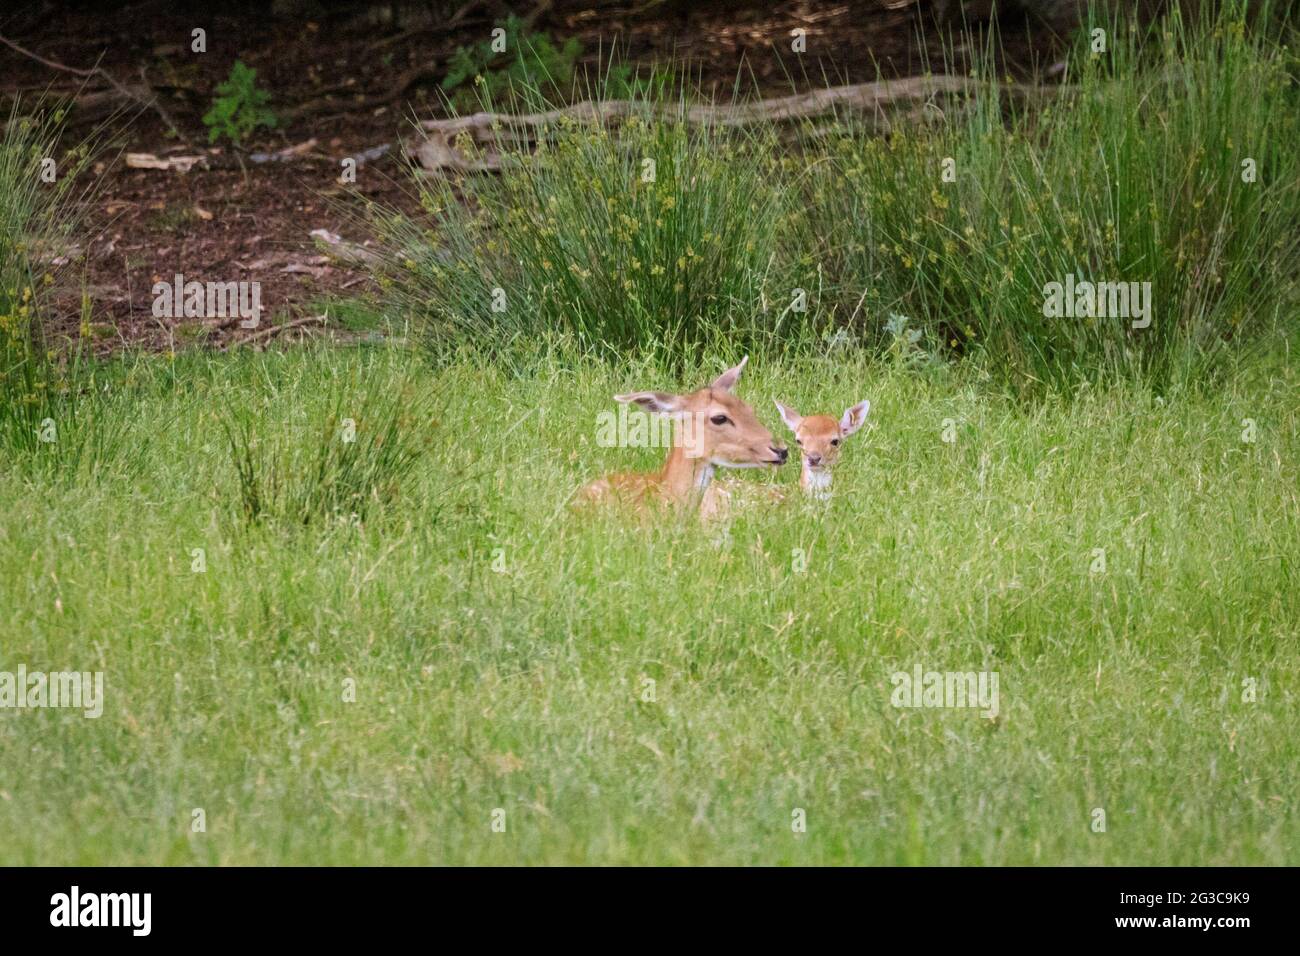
661 402
854 417
728 379
789 416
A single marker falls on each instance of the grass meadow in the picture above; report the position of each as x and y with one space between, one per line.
345 612
500 645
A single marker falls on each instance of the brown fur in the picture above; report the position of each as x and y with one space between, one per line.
685 480
820 439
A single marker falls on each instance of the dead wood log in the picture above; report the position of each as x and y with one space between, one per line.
879 103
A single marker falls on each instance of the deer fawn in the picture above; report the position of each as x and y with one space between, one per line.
715 430
819 438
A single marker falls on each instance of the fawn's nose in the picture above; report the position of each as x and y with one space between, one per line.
781 453
814 459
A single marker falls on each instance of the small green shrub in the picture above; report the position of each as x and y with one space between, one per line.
530 61
623 81
239 107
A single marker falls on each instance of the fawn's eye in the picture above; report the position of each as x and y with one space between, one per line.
835 441
799 442
720 420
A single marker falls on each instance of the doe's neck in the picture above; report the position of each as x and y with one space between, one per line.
683 476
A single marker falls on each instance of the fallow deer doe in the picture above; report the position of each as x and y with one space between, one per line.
715 429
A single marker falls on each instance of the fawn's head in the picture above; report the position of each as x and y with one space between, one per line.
819 437
716 426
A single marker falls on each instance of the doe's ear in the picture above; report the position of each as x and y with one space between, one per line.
728 379
854 417
789 416
662 403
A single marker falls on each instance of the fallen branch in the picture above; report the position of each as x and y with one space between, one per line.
158 107
182 164
144 95
371 154
273 330
491 132
286 154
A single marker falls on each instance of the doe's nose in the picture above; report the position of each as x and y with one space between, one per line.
814 459
781 453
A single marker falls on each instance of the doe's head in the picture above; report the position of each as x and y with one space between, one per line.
820 437
715 425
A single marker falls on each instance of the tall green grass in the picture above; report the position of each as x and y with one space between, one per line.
56 416
665 693
1130 171
335 457
662 237
393 638
1134 171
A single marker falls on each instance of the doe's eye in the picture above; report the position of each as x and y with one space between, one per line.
799 442
720 419
835 441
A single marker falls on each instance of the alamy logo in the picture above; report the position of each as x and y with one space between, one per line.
103 909
208 300
27 690
633 428
1099 300
954 689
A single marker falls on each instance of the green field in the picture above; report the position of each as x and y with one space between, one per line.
516 679
345 612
